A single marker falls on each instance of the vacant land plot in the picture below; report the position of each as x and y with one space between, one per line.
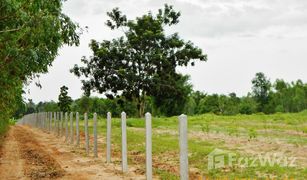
281 138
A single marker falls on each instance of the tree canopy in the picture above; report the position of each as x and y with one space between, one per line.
31 33
261 89
64 100
140 63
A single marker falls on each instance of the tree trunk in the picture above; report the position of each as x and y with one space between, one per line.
141 105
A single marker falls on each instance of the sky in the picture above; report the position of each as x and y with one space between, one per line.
240 37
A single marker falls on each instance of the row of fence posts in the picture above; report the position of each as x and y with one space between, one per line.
54 121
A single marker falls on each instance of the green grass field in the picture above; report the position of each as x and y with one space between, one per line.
246 136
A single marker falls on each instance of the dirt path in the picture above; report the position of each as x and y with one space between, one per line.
11 164
32 154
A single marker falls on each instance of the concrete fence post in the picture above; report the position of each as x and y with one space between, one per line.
50 119
95 135
61 124
66 126
55 122
183 142
45 121
148 146
39 120
58 123
124 142
77 130
86 134
109 137
51 122
36 120
71 128
55 115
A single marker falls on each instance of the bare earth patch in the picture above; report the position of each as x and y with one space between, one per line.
30 153
39 164
75 162
11 164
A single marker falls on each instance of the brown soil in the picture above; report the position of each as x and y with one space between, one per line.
33 154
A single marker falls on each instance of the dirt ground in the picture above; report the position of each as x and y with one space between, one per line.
32 154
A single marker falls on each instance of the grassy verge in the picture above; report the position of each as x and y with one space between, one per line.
4 124
242 135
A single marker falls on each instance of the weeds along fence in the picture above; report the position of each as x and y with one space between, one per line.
68 125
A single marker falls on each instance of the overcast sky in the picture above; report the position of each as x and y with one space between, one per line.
241 37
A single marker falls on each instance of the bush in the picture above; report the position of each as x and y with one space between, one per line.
4 124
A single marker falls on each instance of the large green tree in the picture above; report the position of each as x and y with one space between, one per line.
140 63
31 33
261 89
64 100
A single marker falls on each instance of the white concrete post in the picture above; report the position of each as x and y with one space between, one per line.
36 120
55 115
86 134
58 123
124 143
49 123
55 122
183 141
109 137
61 124
52 121
148 146
95 135
43 120
58 120
71 128
66 126
46 121
77 130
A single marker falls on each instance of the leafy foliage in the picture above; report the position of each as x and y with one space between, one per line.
142 62
266 98
261 89
31 33
64 100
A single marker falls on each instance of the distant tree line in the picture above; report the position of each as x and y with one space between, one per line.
266 97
